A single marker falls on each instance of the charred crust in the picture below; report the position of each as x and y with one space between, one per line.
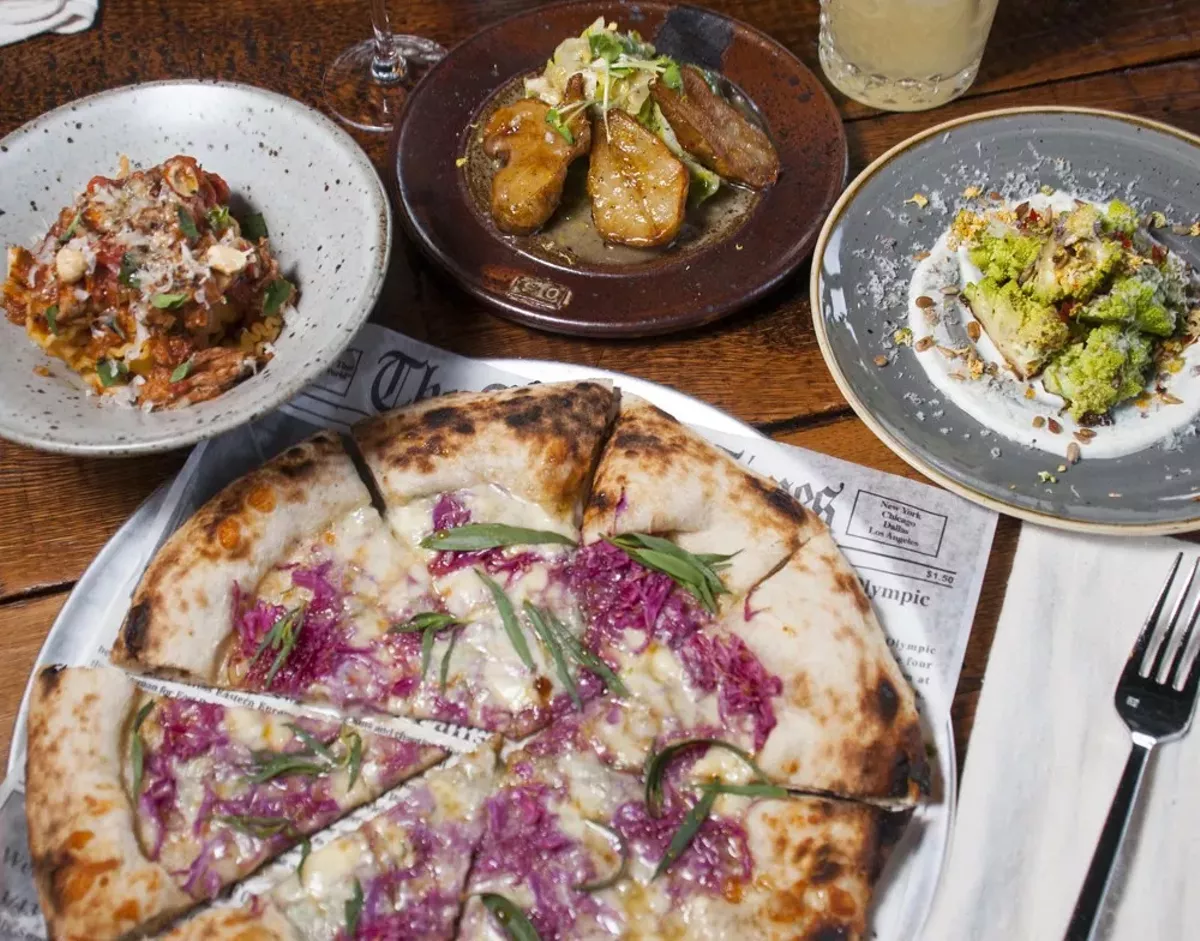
848 583
887 699
826 869
297 469
50 677
527 418
778 499
889 828
135 628
600 501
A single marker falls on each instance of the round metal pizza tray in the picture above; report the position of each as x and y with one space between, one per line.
100 598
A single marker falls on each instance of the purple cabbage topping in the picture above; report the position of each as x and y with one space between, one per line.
620 595
449 512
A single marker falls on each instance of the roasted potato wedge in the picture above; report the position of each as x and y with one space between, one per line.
637 186
528 188
716 133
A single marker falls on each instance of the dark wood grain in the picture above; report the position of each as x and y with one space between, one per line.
762 365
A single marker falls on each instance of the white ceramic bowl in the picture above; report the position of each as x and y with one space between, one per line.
326 208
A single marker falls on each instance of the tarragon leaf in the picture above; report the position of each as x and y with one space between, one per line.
354 754
546 633
622 869
658 762
692 572
312 742
514 922
261 827
354 907
747 790
52 318
137 749
278 293
588 660
305 849
511 625
426 620
687 832
476 536
281 638
280 766
444 671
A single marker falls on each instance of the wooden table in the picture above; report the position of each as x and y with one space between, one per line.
763 365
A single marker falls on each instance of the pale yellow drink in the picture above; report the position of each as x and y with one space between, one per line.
904 55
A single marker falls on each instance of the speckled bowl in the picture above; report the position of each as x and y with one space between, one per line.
865 258
327 211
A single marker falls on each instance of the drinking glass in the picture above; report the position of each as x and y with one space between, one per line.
367 85
904 55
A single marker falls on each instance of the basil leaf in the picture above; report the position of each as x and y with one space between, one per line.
588 660
314 744
278 293
111 371
353 757
354 907
219 218
261 827
52 318
187 223
553 645
69 231
748 790
444 671
128 272
511 918
555 119
180 372
476 536
137 749
608 882
437 620
254 227
687 832
305 849
671 76
280 766
657 763
166 301
509 617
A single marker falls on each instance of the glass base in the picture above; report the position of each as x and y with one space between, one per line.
360 97
891 94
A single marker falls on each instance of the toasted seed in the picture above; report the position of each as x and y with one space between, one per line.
920 256
973 330
950 290
1038 421
1030 393
1085 435
1169 399
924 301
1054 426
881 360
923 344
994 196
1073 454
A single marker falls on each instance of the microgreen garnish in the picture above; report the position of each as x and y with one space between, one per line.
586 659
52 318
658 762
111 371
69 231
166 301
622 869
181 372
312 742
219 218
354 907
281 638
539 621
695 573
555 119
687 832
604 44
187 223
254 227
511 625
137 748
430 624
305 849
511 918
261 827
354 747
444 671
278 293
128 273
671 76
476 536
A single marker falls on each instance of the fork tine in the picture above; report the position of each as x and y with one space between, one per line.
1134 666
1177 661
1164 646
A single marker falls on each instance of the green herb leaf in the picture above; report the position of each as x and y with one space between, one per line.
219 218
278 293
128 273
605 45
588 660
180 372
137 749
476 536
511 918
69 231
511 625
354 907
166 301
115 326
426 620
748 790
555 119
687 832
52 318
444 670
353 756
261 827
187 223
314 744
608 882
671 76
272 766
694 573
111 371
546 633
658 762
254 227
281 638
305 849
427 639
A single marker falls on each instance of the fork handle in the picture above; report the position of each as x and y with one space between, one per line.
1099 874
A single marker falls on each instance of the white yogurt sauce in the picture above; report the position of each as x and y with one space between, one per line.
1000 402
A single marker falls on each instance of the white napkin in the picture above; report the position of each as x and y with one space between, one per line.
20 19
1048 750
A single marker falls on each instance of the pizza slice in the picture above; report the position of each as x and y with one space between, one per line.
486 491
140 806
575 849
727 610
399 876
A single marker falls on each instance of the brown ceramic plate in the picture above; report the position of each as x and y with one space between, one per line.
743 246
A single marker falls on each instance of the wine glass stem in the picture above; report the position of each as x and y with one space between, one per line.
387 65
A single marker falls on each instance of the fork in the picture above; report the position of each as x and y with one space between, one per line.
1155 712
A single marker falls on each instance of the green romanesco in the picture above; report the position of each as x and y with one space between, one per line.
1025 331
1107 367
1076 271
1137 300
1004 257
1120 217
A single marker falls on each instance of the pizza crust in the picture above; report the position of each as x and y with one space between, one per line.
538 442
93 880
258 921
182 610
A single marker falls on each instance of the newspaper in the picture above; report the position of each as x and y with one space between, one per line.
920 554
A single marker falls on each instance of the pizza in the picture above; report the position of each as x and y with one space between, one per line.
674 638
142 806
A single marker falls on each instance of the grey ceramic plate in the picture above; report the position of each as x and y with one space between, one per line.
861 268
325 206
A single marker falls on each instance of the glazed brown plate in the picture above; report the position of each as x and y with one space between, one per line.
738 246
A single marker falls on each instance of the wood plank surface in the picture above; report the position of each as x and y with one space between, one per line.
23 627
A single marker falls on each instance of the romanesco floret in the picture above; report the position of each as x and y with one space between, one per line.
1107 367
1025 331
1120 217
1004 257
1076 271
1136 300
